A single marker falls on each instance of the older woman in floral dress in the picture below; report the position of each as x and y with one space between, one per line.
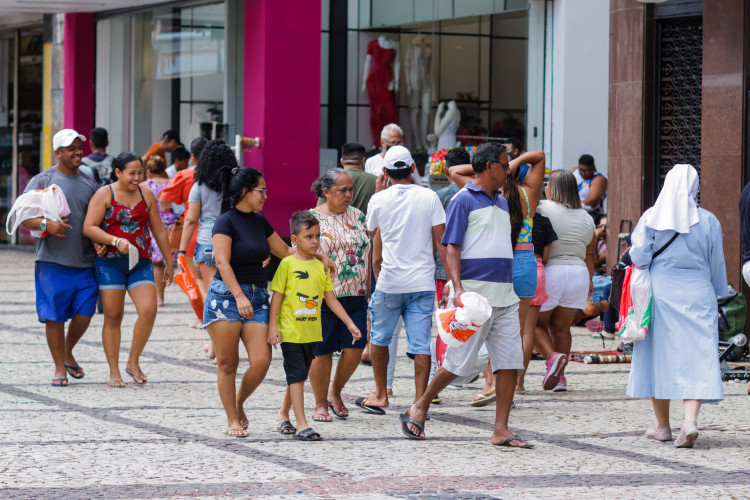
344 238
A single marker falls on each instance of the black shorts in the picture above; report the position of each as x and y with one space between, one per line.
297 360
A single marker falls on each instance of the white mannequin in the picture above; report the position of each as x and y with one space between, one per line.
419 86
446 124
385 43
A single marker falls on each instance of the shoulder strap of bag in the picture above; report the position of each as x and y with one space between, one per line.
658 252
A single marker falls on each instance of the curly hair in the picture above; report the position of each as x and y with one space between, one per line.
215 165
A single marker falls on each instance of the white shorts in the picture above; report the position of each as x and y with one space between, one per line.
501 334
567 286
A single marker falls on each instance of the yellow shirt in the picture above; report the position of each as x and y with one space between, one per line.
303 283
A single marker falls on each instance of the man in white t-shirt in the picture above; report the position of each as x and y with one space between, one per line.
390 136
407 223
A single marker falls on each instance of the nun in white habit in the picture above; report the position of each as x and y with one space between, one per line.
678 359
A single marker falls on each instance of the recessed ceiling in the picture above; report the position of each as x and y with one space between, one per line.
59 6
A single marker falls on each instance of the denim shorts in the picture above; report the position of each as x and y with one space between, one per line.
113 274
62 292
415 307
205 254
524 273
221 306
336 335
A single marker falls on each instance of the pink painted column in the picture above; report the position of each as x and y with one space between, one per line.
282 101
79 39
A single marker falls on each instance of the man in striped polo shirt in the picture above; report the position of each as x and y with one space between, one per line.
480 259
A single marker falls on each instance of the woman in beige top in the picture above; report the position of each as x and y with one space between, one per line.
569 272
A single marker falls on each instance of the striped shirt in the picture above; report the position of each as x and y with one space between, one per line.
482 227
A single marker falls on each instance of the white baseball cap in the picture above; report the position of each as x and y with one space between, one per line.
398 157
65 138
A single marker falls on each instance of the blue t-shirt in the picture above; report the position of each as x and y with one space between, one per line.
481 225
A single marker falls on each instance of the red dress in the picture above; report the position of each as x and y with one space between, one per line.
130 224
383 108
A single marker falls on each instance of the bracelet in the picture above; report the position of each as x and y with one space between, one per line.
116 241
184 252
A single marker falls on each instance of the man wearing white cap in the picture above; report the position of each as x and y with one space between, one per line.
407 223
64 276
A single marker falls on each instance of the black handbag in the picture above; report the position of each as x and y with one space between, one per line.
618 275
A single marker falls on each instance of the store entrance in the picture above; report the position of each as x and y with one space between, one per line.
21 78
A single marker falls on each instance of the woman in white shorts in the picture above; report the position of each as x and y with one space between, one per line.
569 270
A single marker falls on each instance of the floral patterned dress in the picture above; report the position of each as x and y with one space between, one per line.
167 217
131 224
344 239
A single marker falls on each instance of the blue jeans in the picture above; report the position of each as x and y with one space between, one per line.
221 305
416 308
113 273
524 273
205 254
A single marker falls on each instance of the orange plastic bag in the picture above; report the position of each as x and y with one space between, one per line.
456 325
185 279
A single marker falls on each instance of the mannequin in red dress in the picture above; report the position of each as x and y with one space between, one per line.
381 77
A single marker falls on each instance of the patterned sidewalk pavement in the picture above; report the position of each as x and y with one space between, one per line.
165 439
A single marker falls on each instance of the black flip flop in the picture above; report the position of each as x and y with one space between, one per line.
507 442
286 428
335 410
405 419
308 435
72 369
376 410
63 382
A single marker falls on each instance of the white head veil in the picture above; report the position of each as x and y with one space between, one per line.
675 208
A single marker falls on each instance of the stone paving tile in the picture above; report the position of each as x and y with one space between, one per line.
164 440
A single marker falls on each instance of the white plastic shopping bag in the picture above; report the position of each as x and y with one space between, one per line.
457 324
638 319
48 202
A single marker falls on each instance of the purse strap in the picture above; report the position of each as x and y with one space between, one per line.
658 252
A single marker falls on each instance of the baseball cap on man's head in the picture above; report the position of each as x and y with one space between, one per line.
65 138
398 157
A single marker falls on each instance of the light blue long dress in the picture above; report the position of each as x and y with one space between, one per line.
679 359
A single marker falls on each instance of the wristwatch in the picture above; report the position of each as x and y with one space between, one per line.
43 225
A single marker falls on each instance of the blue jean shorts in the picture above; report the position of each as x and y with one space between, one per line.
220 304
62 292
336 335
524 273
415 307
205 254
113 274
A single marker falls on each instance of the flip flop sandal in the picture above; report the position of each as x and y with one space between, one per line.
286 428
236 433
61 382
138 379
375 410
72 369
245 423
405 420
338 410
322 417
483 399
308 435
507 444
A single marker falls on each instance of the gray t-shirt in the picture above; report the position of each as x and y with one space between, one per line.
575 230
210 202
74 250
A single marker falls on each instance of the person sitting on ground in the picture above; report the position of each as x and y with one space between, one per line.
592 186
298 286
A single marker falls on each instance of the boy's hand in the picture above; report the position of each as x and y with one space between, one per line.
356 334
274 337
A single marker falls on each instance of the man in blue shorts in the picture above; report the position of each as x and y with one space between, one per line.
65 284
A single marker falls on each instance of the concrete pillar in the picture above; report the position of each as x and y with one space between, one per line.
80 56
281 102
